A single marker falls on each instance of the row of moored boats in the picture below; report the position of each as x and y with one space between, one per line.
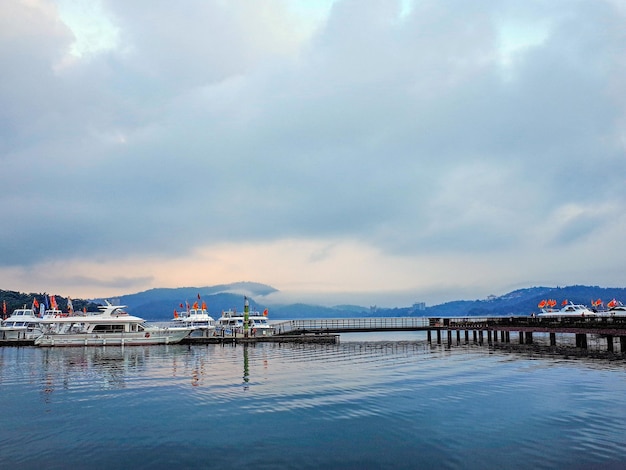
112 325
569 309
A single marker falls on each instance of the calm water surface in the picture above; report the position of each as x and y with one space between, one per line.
372 401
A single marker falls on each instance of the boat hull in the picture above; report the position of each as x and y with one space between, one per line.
19 334
112 339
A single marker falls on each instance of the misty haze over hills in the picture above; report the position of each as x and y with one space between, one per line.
159 304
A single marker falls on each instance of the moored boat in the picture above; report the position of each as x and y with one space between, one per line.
111 326
195 317
23 324
569 310
251 322
615 309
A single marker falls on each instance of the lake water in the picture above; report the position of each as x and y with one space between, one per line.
372 401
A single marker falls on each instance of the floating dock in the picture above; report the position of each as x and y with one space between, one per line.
238 339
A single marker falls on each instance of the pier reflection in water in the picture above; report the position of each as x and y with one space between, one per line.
390 400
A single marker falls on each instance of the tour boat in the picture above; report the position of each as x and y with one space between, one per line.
232 321
615 309
112 326
23 324
569 310
197 318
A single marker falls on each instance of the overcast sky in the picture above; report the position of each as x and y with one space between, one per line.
363 151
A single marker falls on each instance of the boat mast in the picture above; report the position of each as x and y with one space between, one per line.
246 316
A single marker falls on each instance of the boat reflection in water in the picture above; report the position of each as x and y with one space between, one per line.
88 369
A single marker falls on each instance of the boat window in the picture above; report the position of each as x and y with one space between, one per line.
108 328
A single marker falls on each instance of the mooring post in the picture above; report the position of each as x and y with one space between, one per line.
438 336
581 340
466 336
489 336
449 338
521 337
429 337
502 336
480 337
609 343
474 334
552 339
622 344
458 337
529 337
495 336
507 337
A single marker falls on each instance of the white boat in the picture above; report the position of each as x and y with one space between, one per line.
197 318
232 321
23 324
112 326
569 310
615 309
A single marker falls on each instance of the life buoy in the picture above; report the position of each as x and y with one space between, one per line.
147 335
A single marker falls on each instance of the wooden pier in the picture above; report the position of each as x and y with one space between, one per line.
488 329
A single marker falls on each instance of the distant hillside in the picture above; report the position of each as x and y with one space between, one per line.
159 304
525 301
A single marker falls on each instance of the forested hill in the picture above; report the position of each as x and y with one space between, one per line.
13 300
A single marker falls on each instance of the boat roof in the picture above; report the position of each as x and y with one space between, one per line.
108 313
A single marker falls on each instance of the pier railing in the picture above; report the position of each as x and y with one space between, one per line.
351 325
612 325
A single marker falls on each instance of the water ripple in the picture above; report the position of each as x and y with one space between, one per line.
357 404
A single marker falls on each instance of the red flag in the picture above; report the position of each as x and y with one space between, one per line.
564 302
4 307
542 304
203 305
181 305
195 305
198 296
265 312
35 303
175 314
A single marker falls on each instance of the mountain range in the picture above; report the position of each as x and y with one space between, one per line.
159 304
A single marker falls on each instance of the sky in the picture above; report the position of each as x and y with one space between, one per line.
373 152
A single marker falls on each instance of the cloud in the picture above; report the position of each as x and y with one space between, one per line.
427 132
